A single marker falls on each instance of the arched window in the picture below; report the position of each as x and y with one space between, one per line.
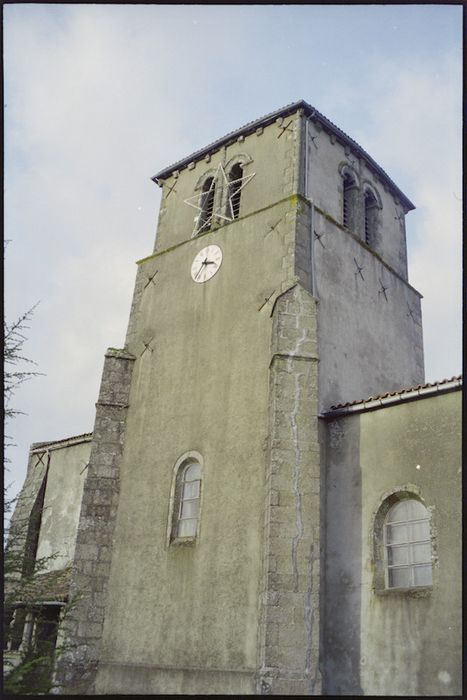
407 545
371 211
348 200
185 499
207 205
190 493
234 191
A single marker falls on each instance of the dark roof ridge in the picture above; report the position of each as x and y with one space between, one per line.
267 119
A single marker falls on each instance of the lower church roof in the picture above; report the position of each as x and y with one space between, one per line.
391 397
48 587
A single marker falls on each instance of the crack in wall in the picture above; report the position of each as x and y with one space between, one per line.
296 478
309 622
309 619
289 445
309 612
298 456
263 682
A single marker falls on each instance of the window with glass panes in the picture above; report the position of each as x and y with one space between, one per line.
407 541
190 492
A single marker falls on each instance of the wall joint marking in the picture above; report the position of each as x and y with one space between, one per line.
319 236
150 278
359 270
285 128
383 290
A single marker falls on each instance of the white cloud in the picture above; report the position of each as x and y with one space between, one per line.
416 133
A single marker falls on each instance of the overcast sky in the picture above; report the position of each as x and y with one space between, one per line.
98 98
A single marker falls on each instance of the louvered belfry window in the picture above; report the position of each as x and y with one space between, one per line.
233 202
370 205
207 205
348 184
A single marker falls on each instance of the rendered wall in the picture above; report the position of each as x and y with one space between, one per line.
369 318
325 158
398 643
369 322
185 618
62 503
216 371
50 500
22 536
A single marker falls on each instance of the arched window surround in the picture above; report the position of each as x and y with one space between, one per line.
379 542
371 206
241 159
178 497
368 187
207 175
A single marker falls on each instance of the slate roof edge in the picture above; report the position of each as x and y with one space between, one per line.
421 391
268 119
64 442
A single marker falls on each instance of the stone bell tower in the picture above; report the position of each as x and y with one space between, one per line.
277 287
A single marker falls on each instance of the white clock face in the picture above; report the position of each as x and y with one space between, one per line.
206 263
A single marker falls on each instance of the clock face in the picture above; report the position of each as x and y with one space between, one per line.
206 263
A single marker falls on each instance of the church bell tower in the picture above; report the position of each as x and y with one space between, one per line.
277 288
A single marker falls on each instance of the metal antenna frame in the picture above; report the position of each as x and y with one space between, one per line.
240 184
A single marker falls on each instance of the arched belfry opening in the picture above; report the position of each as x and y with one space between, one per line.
349 186
371 214
234 191
207 205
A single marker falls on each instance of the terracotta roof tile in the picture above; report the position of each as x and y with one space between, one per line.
53 585
400 393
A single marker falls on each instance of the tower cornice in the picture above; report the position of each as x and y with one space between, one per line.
309 112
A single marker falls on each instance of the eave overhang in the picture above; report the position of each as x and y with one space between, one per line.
309 112
422 391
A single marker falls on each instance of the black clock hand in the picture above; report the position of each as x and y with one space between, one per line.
196 276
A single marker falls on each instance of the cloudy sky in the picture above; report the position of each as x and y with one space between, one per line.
98 98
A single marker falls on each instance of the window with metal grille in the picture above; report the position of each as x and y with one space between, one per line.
407 544
207 205
234 191
189 488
